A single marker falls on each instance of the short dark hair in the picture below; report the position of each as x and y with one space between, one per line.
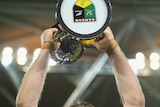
81 104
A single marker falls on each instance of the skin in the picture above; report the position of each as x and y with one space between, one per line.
127 82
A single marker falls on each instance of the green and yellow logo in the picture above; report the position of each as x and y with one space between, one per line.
84 11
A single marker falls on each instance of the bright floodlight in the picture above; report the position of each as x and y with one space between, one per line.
154 56
22 52
36 53
155 65
140 56
21 60
7 57
140 60
7 51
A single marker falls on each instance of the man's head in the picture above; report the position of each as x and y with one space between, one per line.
82 104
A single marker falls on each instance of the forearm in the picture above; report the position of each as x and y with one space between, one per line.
33 81
127 82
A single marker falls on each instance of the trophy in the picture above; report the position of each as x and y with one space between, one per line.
82 21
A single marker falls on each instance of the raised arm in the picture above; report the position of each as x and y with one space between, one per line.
33 81
127 82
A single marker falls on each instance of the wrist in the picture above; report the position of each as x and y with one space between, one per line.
47 45
111 45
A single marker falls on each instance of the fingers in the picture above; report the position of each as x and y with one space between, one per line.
95 44
49 34
100 37
101 42
108 33
52 32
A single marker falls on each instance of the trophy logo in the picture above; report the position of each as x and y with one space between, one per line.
84 11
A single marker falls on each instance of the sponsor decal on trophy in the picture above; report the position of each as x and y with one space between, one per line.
84 11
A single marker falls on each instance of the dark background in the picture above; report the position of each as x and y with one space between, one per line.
135 24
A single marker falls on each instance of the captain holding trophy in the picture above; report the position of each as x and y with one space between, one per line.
81 24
